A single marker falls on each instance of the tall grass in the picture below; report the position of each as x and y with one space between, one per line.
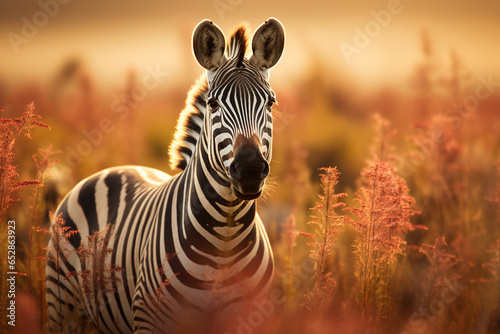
11 129
327 225
59 252
97 277
409 214
382 221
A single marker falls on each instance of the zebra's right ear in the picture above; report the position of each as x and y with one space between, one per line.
209 45
268 43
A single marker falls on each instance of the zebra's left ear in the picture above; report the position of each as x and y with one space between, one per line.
209 45
268 43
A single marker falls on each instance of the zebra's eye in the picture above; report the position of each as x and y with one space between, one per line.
213 105
270 103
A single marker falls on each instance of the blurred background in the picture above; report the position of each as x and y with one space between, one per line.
78 60
111 37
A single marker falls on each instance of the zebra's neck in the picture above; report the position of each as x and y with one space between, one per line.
216 219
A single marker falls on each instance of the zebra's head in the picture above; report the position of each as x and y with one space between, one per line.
239 101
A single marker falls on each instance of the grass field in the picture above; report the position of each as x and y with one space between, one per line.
383 211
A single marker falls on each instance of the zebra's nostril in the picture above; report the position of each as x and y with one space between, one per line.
265 171
233 171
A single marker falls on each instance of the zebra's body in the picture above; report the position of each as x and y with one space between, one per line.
193 243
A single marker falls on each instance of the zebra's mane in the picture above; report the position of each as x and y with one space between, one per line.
238 45
190 120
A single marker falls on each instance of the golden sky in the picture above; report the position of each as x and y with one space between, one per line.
111 37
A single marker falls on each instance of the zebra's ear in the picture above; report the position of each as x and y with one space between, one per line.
209 45
268 43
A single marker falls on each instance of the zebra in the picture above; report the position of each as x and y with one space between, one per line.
200 227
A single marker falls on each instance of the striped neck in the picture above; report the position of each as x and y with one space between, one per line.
212 212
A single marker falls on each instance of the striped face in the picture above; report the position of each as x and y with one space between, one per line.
239 101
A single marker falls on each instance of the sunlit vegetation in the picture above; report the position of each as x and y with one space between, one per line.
403 238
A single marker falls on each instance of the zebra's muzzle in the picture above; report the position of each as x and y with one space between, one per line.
248 170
